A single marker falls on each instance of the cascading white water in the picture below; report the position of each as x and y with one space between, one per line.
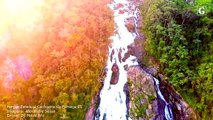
112 96
167 110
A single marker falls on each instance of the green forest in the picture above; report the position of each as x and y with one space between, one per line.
180 40
68 49
65 67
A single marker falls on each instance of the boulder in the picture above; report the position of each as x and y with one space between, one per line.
143 103
130 24
115 74
146 105
91 111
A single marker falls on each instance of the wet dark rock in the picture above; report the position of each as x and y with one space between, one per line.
131 49
152 70
142 89
126 56
130 24
160 76
141 85
161 105
105 72
137 48
104 117
129 52
119 55
91 111
125 67
111 55
159 117
155 106
118 6
126 91
134 50
180 108
121 11
115 74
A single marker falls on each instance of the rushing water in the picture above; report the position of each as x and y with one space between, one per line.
112 96
167 113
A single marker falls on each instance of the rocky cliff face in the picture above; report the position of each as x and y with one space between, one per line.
144 103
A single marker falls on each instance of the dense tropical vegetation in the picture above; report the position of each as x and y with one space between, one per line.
180 39
68 53
66 50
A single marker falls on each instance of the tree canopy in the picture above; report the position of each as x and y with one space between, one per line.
68 50
181 40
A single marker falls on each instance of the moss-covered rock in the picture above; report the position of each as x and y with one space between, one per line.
142 94
144 102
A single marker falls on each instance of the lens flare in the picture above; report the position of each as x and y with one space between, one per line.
19 13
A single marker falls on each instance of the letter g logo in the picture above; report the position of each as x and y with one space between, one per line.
201 10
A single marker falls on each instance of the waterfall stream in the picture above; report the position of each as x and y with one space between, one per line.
113 104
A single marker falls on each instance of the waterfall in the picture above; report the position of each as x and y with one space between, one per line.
167 113
112 104
112 96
